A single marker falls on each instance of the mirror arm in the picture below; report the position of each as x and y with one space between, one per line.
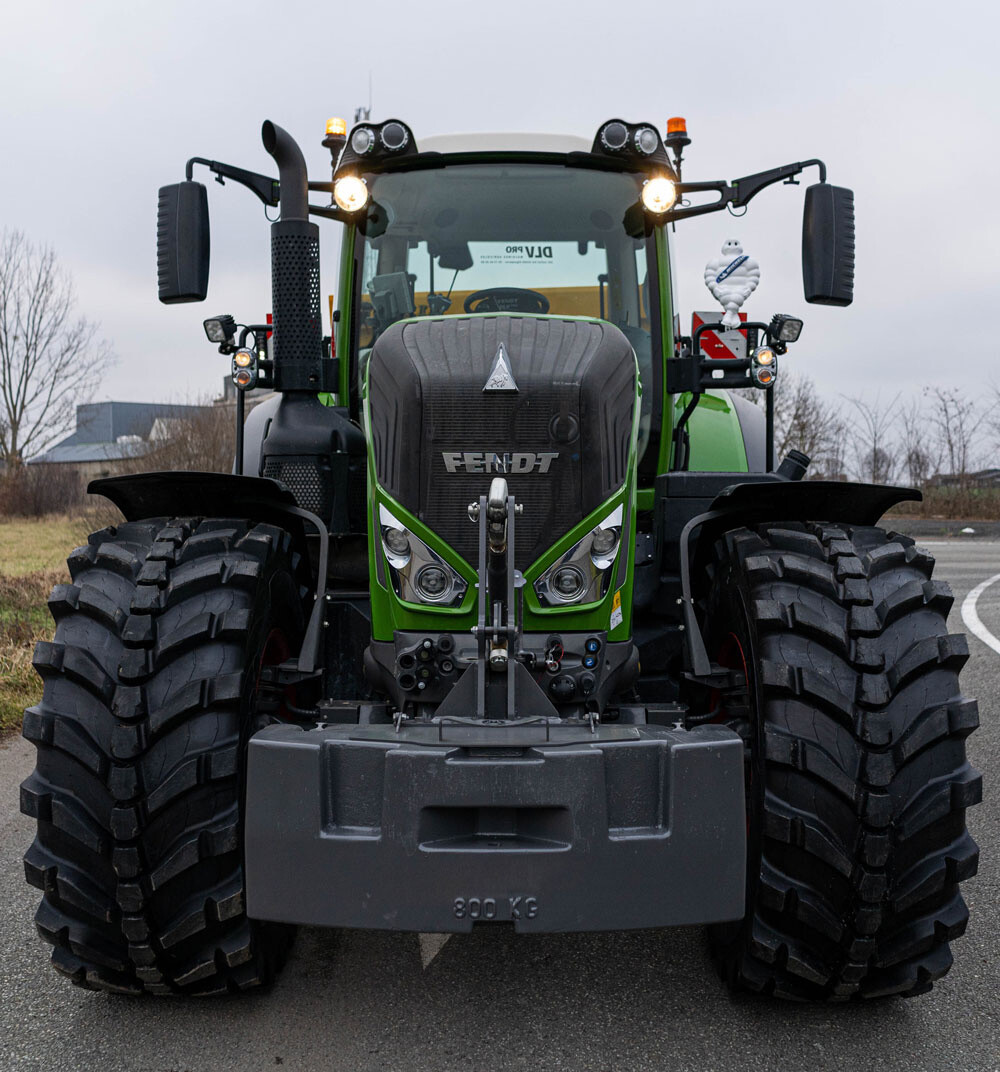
739 192
751 185
266 189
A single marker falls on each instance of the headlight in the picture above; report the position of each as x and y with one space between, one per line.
658 194
583 573
350 193
418 573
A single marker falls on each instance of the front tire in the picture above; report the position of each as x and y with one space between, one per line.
150 695
858 778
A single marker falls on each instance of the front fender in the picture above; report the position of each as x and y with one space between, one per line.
770 501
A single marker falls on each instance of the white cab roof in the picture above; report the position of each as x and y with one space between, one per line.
503 143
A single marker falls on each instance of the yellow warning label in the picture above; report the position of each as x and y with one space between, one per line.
616 609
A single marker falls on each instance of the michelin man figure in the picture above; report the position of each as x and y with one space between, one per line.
732 278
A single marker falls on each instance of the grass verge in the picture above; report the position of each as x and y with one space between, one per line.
32 559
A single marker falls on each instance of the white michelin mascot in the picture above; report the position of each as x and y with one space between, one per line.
732 278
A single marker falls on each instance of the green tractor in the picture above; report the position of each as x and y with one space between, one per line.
506 614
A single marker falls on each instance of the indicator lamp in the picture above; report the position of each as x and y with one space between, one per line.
245 369
593 645
589 662
763 367
350 193
658 194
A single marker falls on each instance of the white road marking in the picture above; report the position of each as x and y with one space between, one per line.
971 616
432 944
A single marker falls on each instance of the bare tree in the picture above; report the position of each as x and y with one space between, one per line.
917 448
50 358
957 424
872 428
805 421
204 442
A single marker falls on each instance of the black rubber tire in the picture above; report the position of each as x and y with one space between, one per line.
857 774
150 695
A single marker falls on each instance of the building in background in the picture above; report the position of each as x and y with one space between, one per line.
111 432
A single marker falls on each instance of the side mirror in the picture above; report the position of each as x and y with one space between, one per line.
182 243
828 245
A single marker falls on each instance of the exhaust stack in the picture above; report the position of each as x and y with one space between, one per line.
298 327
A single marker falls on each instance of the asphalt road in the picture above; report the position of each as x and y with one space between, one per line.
493 1000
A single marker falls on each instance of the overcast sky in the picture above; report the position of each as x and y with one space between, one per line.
103 102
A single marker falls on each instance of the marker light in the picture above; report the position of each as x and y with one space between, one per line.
243 378
658 194
764 356
243 358
336 127
350 193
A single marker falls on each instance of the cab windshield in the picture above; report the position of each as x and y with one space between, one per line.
506 238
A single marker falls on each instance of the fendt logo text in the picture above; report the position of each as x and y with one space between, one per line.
471 461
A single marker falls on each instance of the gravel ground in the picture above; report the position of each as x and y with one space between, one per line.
494 1000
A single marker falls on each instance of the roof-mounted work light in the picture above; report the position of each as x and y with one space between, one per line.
636 142
371 142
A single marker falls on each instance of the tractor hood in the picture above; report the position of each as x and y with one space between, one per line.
546 402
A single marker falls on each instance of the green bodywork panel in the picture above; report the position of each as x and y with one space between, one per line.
716 436
716 444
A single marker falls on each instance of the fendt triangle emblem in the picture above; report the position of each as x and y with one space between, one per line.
501 378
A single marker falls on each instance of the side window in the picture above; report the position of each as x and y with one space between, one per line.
366 317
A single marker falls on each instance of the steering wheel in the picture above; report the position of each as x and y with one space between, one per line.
506 300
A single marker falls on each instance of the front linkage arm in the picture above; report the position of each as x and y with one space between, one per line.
740 191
